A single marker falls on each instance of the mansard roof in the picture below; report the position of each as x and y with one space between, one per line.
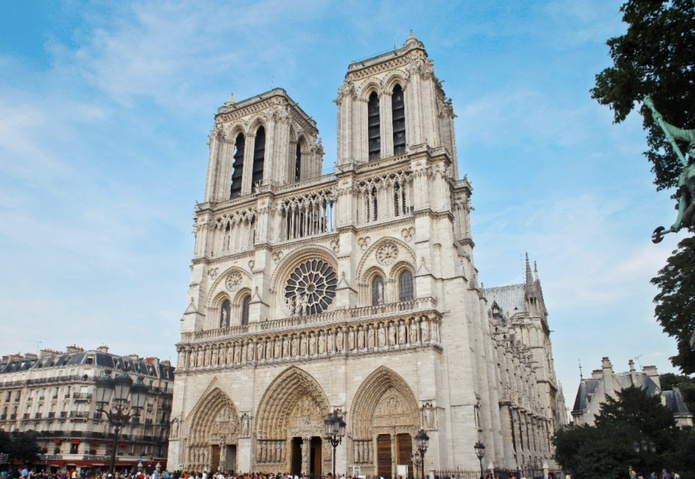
675 402
135 365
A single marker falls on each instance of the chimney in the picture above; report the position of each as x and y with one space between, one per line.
633 373
103 348
651 372
73 349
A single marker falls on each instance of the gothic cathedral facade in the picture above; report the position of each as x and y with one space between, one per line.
353 292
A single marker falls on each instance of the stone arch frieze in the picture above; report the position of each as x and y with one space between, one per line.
214 420
403 253
383 399
227 285
294 398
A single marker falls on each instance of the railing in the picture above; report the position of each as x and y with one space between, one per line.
368 335
340 315
95 458
81 396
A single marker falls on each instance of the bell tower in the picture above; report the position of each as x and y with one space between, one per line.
392 104
266 139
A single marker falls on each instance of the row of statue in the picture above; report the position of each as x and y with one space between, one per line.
407 332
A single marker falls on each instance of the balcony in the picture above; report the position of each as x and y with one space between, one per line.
82 397
79 415
96 458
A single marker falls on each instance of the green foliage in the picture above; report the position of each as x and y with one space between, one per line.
606 449
654 57
675 303
20 446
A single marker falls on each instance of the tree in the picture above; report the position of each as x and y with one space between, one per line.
675 303
654 57
606 449
20 446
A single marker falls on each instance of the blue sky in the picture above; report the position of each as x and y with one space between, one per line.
105 108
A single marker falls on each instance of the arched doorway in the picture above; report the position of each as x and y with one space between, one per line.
214 434
290 425
385 419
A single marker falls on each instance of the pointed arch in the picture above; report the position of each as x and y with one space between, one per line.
215 420
294 398
383 392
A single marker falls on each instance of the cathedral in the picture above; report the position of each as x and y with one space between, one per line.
354 293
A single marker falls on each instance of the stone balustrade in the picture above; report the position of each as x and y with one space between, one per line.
341 332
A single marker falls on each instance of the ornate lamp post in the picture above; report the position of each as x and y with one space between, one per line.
480 452
335 430
422 440
416 463
644 447
121 410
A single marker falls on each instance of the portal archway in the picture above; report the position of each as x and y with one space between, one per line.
384 420
290 428
214 434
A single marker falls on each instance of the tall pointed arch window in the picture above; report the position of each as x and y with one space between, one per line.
245 303
225 311
298 163
398 111
377 291
237 167
374 130
405 286
258 157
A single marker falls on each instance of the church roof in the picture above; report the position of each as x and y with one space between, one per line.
510 299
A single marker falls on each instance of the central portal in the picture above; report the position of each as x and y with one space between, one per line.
312 448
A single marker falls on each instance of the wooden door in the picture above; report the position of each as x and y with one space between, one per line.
215 458
384 462
404 444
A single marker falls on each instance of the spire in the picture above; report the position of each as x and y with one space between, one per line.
529 276
535 271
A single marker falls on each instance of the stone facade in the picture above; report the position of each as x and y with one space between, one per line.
592 392
53 394
354 291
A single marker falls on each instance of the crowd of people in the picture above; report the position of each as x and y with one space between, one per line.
665 474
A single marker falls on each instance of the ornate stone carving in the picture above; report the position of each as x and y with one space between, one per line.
364 243
311 287
387 254
233 281
408 233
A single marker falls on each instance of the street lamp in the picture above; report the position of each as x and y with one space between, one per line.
421 441
644 447
121 410
335 430
480 452
416 463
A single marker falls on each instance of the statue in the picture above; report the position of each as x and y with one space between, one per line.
686 180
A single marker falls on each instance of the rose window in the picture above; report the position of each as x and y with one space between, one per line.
310 289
